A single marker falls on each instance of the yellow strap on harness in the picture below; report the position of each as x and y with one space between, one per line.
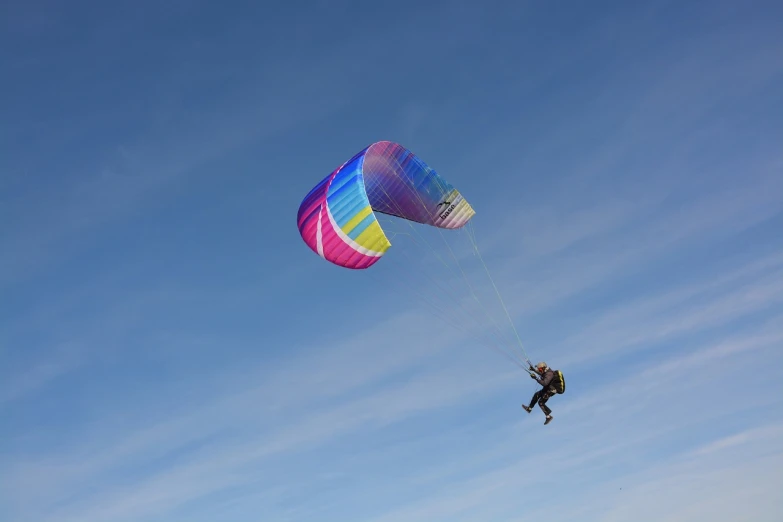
561 381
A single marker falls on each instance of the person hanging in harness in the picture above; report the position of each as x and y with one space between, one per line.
551 382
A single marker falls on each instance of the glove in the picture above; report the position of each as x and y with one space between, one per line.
532 376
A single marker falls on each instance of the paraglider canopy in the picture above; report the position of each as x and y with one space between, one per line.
337 218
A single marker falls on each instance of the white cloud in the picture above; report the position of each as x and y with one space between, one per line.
693 307
62 360
326 394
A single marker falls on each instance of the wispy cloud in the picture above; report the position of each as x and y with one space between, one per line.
691 308
564 469
257 422
39 375
258 431
751 436
219 465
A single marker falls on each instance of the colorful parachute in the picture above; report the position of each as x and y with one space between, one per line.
337 218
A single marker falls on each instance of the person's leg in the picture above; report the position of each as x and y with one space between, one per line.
545 396
542 403
533 401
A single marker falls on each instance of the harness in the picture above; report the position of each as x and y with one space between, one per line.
559 382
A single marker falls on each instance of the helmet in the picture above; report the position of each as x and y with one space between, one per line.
541 366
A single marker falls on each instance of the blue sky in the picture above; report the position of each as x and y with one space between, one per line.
170 350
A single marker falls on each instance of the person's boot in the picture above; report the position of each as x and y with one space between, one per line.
527 408
548 419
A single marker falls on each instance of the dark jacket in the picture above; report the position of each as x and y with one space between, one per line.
546 379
